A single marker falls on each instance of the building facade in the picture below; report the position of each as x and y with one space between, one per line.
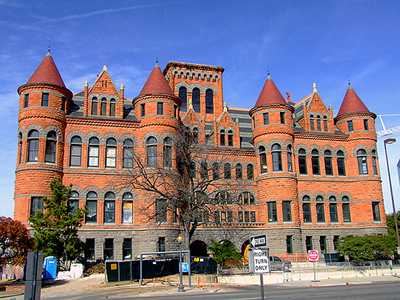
308 177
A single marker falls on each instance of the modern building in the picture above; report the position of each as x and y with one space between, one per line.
308 177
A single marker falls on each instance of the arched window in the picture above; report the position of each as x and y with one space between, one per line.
289 158
346 209
209 101
75 151
223 197
167 149
312 126
93 152
328 162
73 202
103 107
51 146
196 99
263 159
127 208
340 163
183 97
94 106
276 157
222 137
33 145
239 171
246 198
230 137
320 208
91 207
319 123
250 172
227 171
302 161
195 133
306 205
333 214
151 150
315 162
374 163
128 154
112 107
109 207
325 123
215 170
20 147
362 162
204 170
111 153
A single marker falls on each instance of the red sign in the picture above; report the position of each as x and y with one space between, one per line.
313 255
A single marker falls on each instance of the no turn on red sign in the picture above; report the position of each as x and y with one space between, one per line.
313 255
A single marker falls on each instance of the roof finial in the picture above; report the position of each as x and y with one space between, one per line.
269 76
349 84
225 106
122 86
314 87
86 83
157 62
105 68
48 51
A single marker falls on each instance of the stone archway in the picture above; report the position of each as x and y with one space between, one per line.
198 248
244 250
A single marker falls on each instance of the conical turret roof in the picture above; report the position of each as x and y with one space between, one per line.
156 84
352 103
47 72
270 94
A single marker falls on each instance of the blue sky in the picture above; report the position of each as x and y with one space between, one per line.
299 42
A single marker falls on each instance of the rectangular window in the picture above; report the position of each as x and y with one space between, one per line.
289 244
346 212
302 165
142 109
160 108
108 249
315 164
350 125
63 102
309 243
93 156
175 111
328 165
76 155
217 217
341 167
94 107
161 210
286 211
320 213
333 212
26 100
127 212
307 213
89 249
109 211
45 99
336 240
229 216
246 216
111 157
252 216
240 217
161 244
322 244
365 124
282 117
91 211
36 205
272 215
127 249
266 118
376 214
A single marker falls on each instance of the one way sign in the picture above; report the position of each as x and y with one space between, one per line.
258 241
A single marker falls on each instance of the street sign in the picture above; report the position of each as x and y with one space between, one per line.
258 241
313 255
261 262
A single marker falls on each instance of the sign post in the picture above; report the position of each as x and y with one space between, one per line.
260 259
313 256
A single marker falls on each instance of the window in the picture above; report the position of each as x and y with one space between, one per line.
250 172
309 243
362 162
208 139
320 211
272 215
167 152
263 159
312 126
246 216
328 162
276 157
246 198
209 101
183 97
289 158
315 161
196 99
319 123
374 163
127 208
306 210
161 210
350 125
325 123
204 170
192 169
109 207
151 149
322 244
239 171
227 171
230 137
336 240
160 108
45 99
282 117
215 171
63 103
91 207
286 211
302 162
108 249
346 209
20 147
222 137
222 197
26 100
289 244
175 110
266 118
142 109
333 215
36 205
112 107
376 212
33 145
89 249
340 163
111 153
94 106
127 249
195 134
73 203
103 107
365 124
75 151
128 154
93 152
161 244
51 143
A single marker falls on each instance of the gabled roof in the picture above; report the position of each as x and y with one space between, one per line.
156 84
270 94
47 72
97 87
352 103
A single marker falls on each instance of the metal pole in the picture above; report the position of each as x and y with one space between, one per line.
391 194
262 286
141 270
180 286
190 269
315 272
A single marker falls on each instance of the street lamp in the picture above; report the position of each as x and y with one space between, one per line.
385 142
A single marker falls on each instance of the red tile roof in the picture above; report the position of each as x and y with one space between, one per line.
156 84
352 103
270 94
47 72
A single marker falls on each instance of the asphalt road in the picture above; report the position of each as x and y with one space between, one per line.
374 291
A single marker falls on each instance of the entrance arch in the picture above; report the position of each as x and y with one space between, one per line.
198 248
245 249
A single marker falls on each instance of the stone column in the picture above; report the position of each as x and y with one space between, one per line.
99 248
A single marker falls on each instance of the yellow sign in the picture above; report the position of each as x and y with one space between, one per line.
113 266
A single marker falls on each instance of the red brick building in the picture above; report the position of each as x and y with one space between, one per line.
309 177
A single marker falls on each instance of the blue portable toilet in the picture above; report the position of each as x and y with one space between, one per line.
49 268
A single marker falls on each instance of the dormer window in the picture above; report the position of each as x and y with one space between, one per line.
312 122
319 123
350 125
26 100
142 109
282 117
365 124
325 123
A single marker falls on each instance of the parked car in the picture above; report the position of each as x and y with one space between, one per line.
276 264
